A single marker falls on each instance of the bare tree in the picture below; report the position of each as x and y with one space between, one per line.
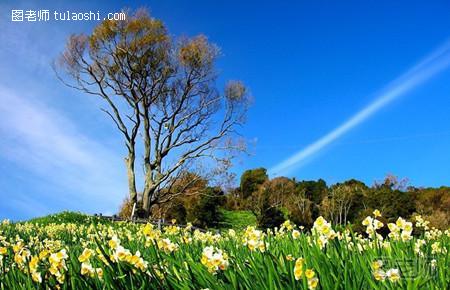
300 207
165 90
341 199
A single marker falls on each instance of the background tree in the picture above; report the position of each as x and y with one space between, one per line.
190 187
434 205
233 200
272 217
300 208
314 190
391 199
266 202
207 213
393 182
342 199
280 189
165 90
251 180
176 211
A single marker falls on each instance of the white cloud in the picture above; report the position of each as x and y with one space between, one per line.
42 141
432 64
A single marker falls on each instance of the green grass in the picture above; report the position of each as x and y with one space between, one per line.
239 219
231 219
66 217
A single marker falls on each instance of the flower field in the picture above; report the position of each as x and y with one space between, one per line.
96 255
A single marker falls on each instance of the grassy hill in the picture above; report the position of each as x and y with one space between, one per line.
238 219
66 217
231 219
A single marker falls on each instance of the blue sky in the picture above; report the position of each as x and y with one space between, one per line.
310 65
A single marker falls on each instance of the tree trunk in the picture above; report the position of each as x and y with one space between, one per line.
148 180
146 203
129 162
147 198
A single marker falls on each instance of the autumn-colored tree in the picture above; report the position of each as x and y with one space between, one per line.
160 91
273 195
434 205
187 189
